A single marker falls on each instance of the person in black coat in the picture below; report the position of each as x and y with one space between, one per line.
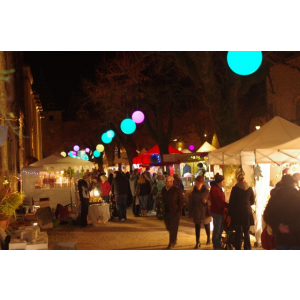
85 185
199 209
240 212
120 189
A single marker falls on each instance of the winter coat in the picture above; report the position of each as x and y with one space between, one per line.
133 182
173 200
217 199
120 185
179 184
240 201
105 188
284 207
197 209
143 188
159 184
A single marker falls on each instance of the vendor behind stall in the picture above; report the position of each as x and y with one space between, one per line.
186 169
85 185
201 170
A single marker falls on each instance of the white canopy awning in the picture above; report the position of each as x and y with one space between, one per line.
67 162
248 150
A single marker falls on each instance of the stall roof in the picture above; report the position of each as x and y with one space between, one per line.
38 165
206 147
145 158
244 151
69 162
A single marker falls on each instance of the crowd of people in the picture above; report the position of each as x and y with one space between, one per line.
161 194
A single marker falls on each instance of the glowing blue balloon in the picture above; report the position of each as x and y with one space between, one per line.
110 134
105 139
128 126
85 157
96 153
244 62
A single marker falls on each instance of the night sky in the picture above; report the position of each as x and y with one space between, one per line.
61 72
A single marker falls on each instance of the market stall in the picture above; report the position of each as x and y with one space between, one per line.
187 167
258 153
146 159
52 178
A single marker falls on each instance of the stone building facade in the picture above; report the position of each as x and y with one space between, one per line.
20 113
283 91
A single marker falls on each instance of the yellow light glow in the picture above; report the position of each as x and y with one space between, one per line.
257 127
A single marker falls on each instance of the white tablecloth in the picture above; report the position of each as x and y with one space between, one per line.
98 213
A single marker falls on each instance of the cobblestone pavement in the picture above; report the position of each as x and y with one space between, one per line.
135 233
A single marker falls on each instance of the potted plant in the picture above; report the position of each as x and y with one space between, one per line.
10 200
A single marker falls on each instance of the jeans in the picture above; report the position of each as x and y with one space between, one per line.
218 221
121 201
144 202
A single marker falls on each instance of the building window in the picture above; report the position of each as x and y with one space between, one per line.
51 118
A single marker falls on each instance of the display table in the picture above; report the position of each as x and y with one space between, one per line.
98 213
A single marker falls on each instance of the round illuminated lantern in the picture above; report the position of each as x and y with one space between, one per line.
70 153
110 134
128 126
76 148
87 150
244 62
105 139
74 153
138 117
85 157
63 153
191 147
100 148
96 153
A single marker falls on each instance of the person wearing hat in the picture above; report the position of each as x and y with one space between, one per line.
217 209
84 188
282 214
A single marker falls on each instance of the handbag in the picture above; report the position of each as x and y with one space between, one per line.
267 240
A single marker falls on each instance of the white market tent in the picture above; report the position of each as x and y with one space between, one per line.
246 151
206 147
274 142
65 163
58 193
285 153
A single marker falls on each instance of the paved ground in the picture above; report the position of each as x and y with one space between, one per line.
135 233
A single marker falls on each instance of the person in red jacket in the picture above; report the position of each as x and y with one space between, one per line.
217 209
105 188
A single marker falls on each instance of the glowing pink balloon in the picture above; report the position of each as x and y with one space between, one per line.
138 117
87 150
191 147
76 148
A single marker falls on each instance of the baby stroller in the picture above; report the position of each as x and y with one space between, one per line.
113 208
228 235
